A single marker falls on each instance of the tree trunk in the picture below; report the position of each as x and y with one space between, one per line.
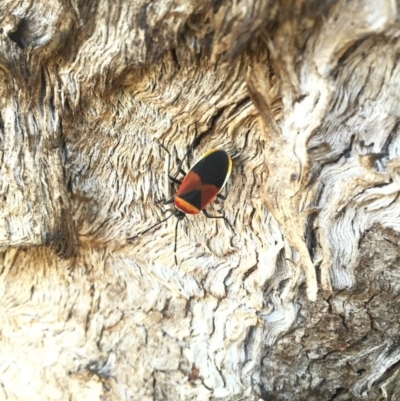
295 295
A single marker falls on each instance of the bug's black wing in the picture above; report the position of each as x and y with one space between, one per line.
213 168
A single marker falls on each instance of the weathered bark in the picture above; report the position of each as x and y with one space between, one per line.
295 298
35 202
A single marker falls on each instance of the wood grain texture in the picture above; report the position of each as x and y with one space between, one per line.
295 298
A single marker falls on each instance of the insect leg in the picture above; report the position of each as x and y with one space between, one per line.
170 176
174 180
197 139
165 201
180 169
195 143
176 238
148 229
210 216
223 197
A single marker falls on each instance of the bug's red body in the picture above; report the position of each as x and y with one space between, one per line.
203 182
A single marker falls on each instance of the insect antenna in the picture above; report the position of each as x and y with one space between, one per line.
154 225
179 216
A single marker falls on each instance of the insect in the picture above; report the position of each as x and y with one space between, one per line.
200 186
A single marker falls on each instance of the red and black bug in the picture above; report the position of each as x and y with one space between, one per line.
200 186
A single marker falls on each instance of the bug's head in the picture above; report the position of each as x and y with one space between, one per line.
179 214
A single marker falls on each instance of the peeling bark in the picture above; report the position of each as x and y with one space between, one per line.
295 298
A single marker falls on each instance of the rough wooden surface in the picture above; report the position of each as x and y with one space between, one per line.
35 204
295 298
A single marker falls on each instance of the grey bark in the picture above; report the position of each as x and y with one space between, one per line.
295 297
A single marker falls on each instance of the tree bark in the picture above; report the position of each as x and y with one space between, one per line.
295 295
